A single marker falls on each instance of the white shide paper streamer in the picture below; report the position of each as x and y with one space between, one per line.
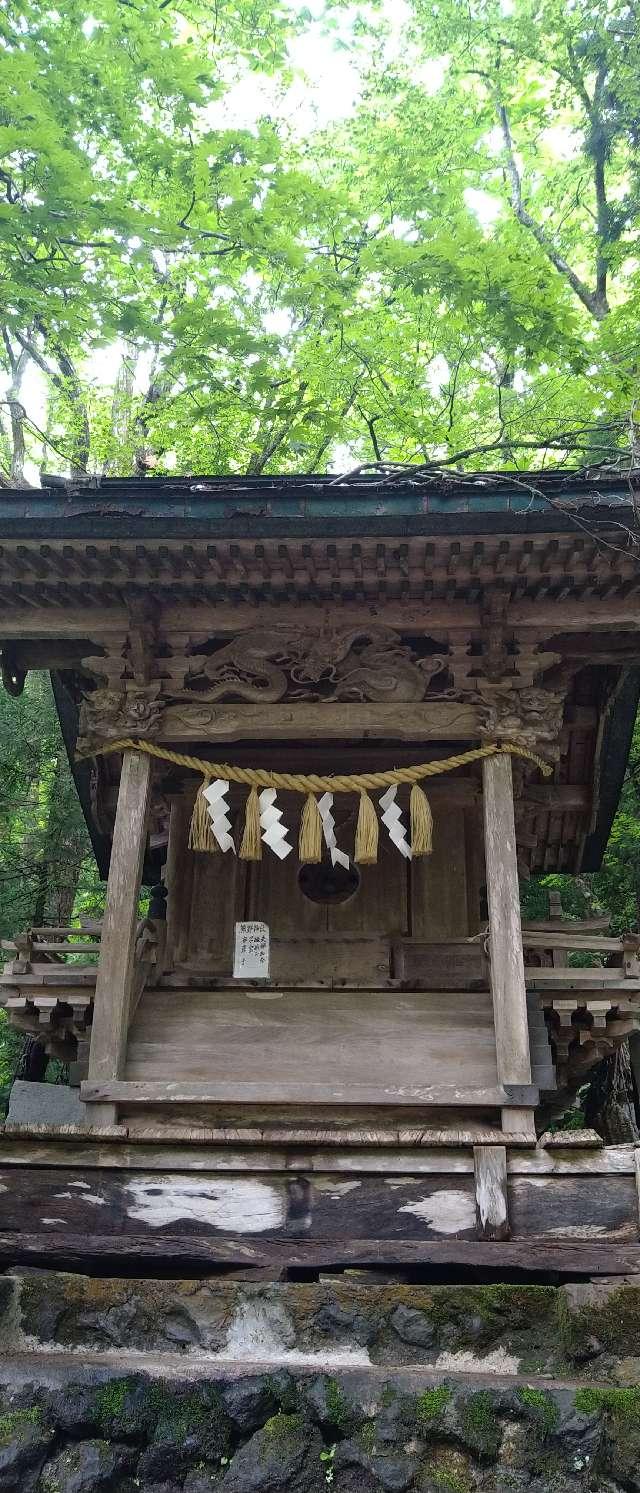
274 832
392 819
218 809
338 857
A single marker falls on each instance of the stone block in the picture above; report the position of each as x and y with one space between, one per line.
45 1104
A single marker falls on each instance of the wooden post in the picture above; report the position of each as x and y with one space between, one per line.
505 936
492 1209
115 975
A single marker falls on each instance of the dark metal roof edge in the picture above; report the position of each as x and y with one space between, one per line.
162 526
611 766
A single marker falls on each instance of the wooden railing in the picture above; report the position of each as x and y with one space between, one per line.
589 1010
47 984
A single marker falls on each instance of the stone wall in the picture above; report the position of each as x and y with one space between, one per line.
104 1385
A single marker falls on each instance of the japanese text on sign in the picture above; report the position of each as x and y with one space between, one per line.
251 952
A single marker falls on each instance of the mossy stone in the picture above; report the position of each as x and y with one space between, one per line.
479 1427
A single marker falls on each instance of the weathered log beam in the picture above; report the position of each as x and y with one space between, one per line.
525 1257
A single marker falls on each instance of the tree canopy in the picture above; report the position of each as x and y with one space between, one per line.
260 237
440 268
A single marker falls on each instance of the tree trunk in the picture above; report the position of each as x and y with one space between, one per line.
610 1104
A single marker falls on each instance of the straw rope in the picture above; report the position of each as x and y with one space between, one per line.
310 782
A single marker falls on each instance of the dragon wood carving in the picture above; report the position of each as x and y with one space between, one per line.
277 663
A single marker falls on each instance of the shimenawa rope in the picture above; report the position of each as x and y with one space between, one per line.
311 835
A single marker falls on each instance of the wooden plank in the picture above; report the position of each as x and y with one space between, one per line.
272 1040
636 1162
246 1135
173 1092
207 1203
559 797
508 988
442 966
523 1258
381 903
115 972
178 879
338 961
568 925
439 881
565 1161
217 899
161 1151
532 939
492 1211
601 977
590 1207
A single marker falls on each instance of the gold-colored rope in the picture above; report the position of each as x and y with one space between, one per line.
311 782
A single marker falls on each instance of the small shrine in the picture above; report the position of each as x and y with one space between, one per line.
328 723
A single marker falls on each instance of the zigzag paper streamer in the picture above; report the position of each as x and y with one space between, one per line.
392 819
274 833
218 810
338 857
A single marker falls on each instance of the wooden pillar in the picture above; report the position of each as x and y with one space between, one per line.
505 935
114 981
492 1205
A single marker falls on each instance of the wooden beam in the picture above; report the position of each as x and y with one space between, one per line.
558 797
115 973
177 1150
525 1257
176 1091
200 720
492 1211
593 942
508 988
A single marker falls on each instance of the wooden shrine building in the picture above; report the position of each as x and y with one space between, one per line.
319 1044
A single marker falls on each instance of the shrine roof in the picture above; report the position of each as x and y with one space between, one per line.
407 501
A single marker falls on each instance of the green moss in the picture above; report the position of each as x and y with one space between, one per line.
110 1400
447 1469
339 1410
15 1421
366 1436
540 1407
498 1308
620 1409
615 1324
132 1408
479 1427
429 1408
622 1406
180 1416
281 1428
285 1396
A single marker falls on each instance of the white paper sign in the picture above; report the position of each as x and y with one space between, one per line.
251 952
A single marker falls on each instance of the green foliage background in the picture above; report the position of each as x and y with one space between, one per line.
443 269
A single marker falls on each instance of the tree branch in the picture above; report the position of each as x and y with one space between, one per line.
595 301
